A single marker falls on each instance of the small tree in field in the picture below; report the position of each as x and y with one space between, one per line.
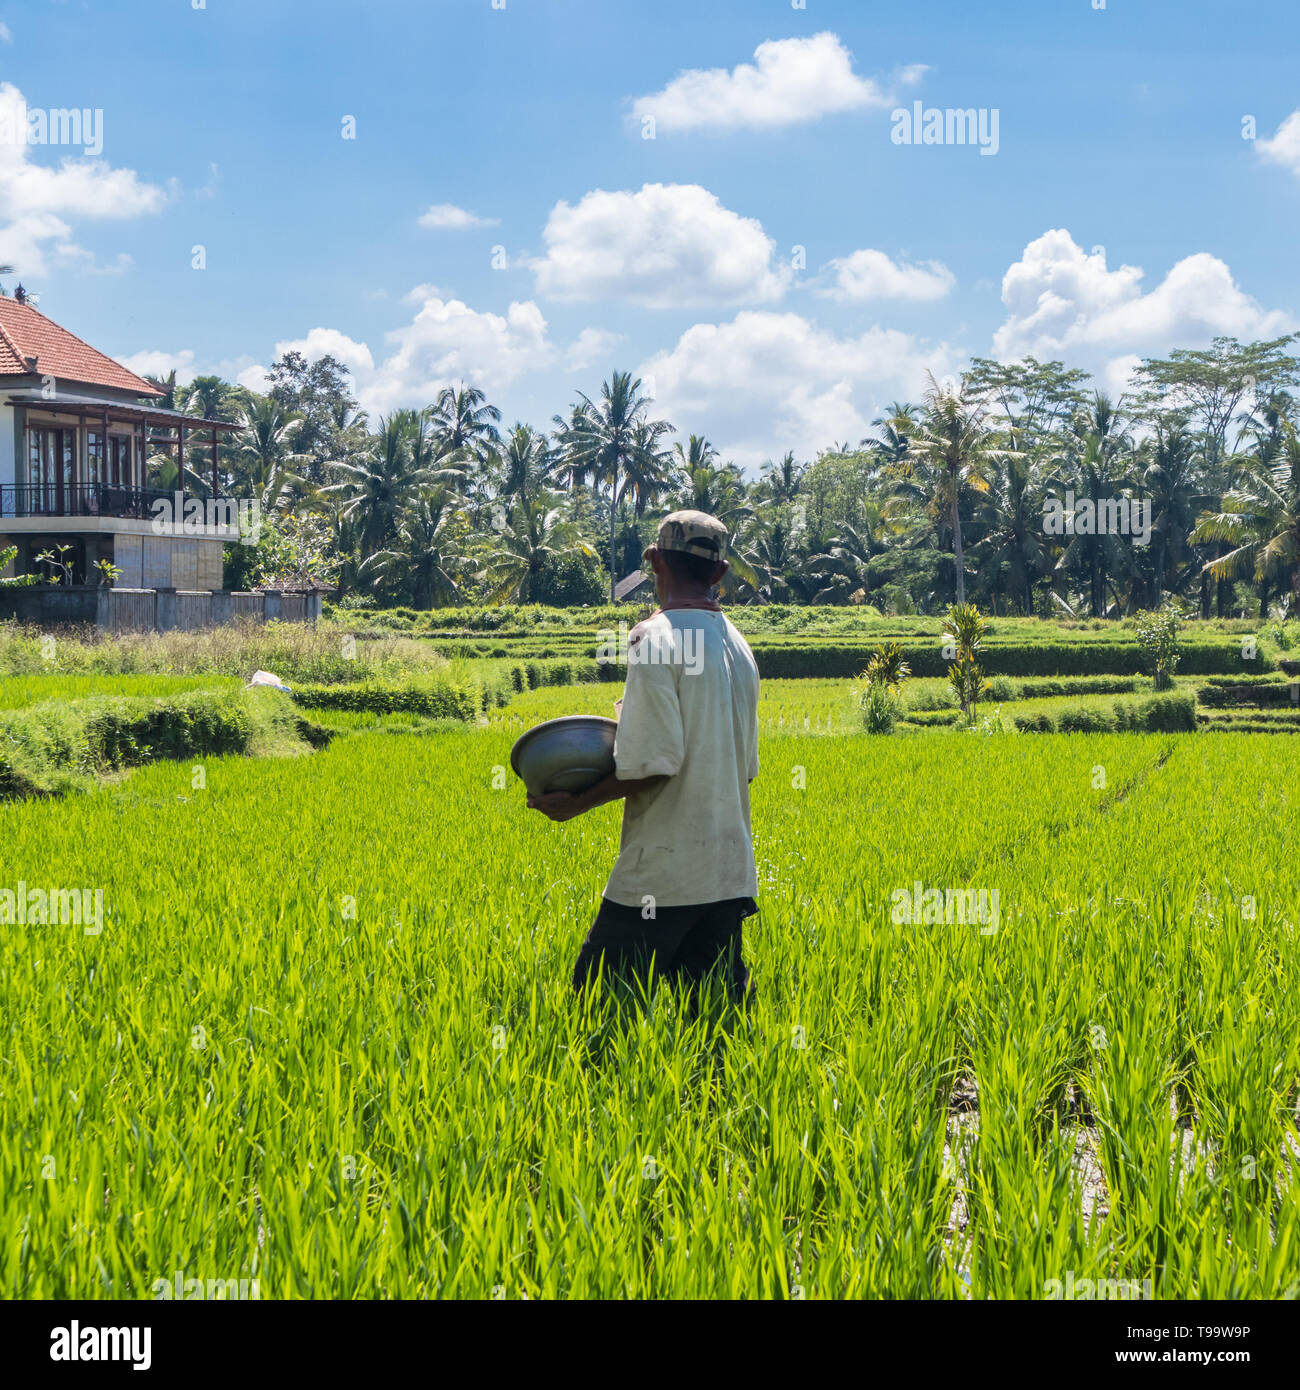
1158 636
964 628
880 699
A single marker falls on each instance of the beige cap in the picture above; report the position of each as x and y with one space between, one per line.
694 533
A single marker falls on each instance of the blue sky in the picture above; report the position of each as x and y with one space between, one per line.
1122 214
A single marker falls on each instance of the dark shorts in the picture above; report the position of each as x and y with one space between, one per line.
684 943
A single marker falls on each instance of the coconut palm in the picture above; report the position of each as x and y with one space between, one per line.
893 433
605 441
951 450
375 490
525 463
697 452
1010 516
649 469
781 481
1096 466
1260 519
1177 499
423 553
265 458
464 427
840 571
167 385
534 532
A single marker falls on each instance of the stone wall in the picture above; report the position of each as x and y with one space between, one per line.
141 610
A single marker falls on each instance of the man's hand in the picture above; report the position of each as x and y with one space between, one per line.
558 806
562 806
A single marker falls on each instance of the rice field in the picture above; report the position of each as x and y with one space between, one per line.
325 1038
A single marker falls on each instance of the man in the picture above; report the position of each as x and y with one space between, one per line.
685 753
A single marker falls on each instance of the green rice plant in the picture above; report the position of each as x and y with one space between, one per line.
326 1038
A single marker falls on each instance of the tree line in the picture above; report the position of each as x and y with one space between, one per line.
1001 486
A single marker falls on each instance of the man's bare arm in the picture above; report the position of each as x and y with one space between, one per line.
562 806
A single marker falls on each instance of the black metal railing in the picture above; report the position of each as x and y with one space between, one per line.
83 499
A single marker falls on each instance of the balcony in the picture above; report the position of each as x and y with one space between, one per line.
81 500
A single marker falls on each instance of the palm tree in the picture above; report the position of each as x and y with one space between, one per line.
894 430
167 385
781 481
525 462
1176 501
604 441
424 552
840 570
649 468
720 491
951 449
210 398
1260 518
1010 515
1094 465
376 489
535 532
265 456
464 427
697 452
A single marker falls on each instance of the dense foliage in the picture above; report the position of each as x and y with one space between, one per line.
1018 487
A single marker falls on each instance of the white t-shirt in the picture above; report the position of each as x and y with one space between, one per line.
690 713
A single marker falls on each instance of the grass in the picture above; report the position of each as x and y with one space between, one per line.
326 1040
66 745
17 692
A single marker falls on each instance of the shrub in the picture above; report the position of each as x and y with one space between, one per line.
438 699
1158 636
880 708
57 745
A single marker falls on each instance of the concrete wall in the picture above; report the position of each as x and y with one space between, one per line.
7 463
141 610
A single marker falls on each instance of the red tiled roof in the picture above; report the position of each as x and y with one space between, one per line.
27 333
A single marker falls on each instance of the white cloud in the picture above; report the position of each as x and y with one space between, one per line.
36 199
871 274
329 342
447 342
665 246
70 254
590 348
449 216
1284 146
767 382
156 363
6 33
1064 302
789 81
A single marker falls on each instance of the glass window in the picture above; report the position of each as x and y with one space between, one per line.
95 456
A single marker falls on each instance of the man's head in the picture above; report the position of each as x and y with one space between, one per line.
690 554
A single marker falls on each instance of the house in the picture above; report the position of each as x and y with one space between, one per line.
76 432
634 585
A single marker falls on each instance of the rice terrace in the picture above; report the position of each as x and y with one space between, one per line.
649 654
922 1108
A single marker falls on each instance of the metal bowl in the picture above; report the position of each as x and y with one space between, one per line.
565 755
